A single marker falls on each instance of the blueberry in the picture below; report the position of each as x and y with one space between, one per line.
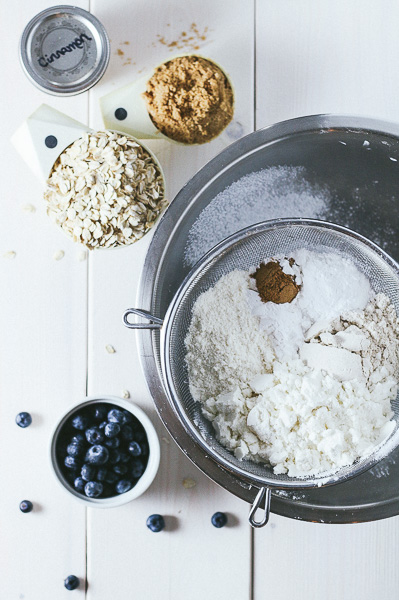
155 523
93 489
127 433
111 477
144 448
100 413
112 442
80 422
120 469
112 429
116 416
94 435
71 462
137 469
97 455
71 582
128 416
102 425
124 457
75 449
134 448
25 506
219 519
123 486
23 419
101 474
114 457
79 484
88 472
78 438
140 435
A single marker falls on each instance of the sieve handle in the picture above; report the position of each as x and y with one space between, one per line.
154 322
266 494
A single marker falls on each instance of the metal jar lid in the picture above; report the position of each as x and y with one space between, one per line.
64 50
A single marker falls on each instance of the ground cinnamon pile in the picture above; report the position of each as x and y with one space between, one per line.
189 99
274 285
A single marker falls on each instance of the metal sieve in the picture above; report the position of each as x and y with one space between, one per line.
245 250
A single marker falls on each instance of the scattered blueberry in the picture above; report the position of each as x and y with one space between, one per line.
112 429
116 416
155 523
134 448
71 582
88 472
127 433
93 489
101 474
112 442
123 486
75 449
79 484
71 462
137 468
97 455
94 435
25 506
80 422
114 457
23 419
100 413
219 519
111 477
120 469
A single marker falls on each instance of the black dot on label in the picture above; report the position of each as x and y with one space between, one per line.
121 114
51 141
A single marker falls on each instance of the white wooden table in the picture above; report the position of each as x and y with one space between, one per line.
286 58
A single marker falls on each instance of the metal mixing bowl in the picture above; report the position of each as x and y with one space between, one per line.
357 159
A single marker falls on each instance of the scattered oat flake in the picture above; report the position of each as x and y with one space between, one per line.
110 349
189 483
29 208
394 159
164 439
125 394
58 255
10 254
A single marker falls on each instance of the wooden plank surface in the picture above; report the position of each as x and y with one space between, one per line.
42 351
316 57
191 558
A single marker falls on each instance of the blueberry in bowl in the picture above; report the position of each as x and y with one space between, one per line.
105 451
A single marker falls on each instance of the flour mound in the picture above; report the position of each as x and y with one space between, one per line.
300 418
225 346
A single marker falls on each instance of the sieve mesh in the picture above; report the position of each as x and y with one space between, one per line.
245 250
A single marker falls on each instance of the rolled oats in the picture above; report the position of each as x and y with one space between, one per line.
105 190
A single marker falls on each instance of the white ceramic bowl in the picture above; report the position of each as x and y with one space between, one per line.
153 460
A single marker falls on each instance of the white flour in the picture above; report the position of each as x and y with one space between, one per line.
271 193
303 420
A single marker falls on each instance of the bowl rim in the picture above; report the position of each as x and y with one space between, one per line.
153 461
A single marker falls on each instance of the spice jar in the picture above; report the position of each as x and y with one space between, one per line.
64 50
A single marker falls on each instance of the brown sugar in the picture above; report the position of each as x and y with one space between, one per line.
274 285
189 99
